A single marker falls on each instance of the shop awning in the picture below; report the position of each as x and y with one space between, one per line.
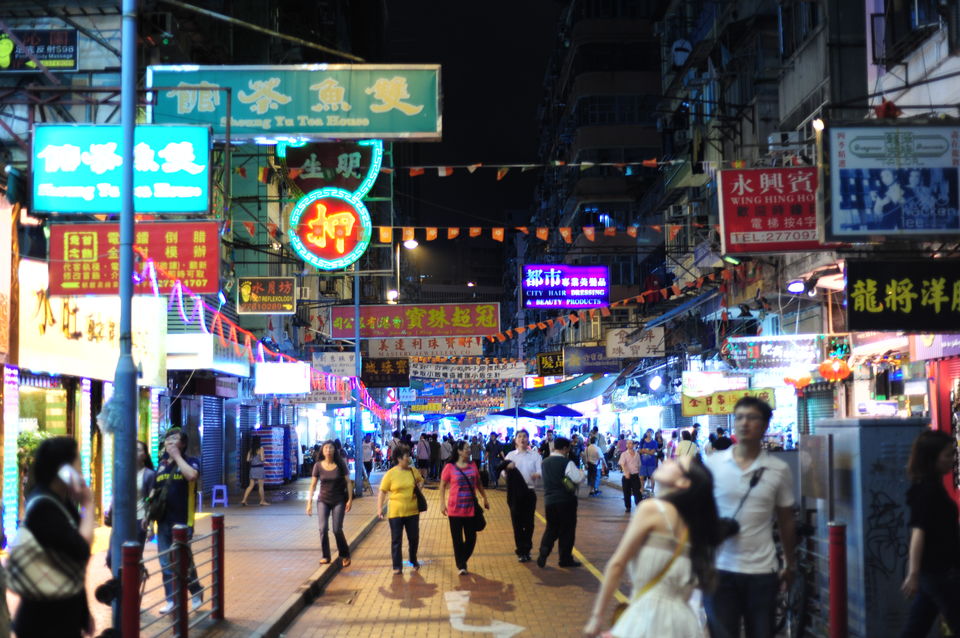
539 396
686 306
583 392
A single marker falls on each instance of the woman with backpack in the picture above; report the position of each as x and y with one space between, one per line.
257 461
462 480
333 500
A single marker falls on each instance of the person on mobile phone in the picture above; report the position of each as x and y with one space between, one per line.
53 517
181 474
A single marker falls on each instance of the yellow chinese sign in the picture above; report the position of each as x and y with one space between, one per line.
723 402
914 296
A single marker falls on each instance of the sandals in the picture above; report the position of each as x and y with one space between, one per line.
345 562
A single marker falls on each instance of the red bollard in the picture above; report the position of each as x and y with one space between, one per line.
130 590
219 570
838 579
180 541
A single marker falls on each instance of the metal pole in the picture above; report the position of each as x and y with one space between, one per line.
181 542
219 567
838 579
130 589
357 409
125 379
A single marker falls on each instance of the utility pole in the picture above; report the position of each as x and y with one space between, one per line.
357 407
125 379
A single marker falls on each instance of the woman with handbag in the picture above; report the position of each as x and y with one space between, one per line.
400 487
48 560
669 548
257 461
333 501
462 480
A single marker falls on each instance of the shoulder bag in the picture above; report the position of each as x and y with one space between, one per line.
421 499
157 501
38 573
478 522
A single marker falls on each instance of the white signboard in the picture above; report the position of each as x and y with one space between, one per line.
406 395
426 347
202 351
80 336
458 372
650 343
282 378
342 364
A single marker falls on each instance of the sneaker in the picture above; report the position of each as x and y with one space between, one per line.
523 558
166 608
462 572
416 566
197 602
541 561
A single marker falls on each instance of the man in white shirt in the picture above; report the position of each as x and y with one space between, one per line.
560 504
751 486
592 456
520 495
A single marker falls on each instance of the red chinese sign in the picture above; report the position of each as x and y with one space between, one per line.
768 210
425 320
85 258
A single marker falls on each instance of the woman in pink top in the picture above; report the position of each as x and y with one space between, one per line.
461 479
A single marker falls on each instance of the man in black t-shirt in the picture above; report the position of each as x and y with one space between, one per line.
722 442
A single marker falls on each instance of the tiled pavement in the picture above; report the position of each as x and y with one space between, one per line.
500 597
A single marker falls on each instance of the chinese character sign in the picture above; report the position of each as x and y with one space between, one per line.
783 351
342 364
549 364
351 166
893 181
588 360
422 320
913 296
77 169
330 228
386 373
267 295
649 343
561 286
723 402
768 210
427 347
467 373
85 258
55 49
339 101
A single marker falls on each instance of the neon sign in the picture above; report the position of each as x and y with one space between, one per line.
330 228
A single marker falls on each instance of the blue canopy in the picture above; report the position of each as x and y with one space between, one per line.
518 413
560 410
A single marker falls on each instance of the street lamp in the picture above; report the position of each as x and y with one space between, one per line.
410 244
392 296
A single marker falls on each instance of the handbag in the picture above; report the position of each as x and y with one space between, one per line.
421 499
479 521
37 573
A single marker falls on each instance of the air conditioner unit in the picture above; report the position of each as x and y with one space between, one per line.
784 141
676 211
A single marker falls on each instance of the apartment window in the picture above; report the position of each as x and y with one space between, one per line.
603 110
609 9
798 19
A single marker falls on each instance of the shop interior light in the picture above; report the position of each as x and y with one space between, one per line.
655 382
392 296
818 125
796 287
731 260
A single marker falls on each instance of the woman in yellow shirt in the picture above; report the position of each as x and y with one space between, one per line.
402 512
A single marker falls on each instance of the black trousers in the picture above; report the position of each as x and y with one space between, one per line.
592 476
631 486
397 526
562 526
522 511
464 539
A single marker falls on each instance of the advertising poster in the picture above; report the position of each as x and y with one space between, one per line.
561 286
421 320
782 351
723 402
461 372
893 181
55 49
912 296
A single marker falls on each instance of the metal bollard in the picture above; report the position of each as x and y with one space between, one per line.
130 589
838 579
180 541
219 570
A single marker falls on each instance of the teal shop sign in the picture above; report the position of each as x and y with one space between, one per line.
311 101
77 169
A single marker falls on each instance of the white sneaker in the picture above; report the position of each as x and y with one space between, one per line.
166 609
197 602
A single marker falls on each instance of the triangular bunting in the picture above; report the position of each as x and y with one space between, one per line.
590 232
416 171
475 231
523 229
649 163
453 233
251 228
473 167
272 228
444 171
605 311
502 172
610 232
431 233
543 233
674 231
567 234
632 231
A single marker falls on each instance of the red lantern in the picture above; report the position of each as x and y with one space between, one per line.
834 370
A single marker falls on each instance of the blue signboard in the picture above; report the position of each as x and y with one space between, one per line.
589 360
76 169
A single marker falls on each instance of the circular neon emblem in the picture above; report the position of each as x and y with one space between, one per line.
330 228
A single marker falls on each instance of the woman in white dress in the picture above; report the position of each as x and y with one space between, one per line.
669 549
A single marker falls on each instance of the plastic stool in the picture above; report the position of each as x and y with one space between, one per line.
199 507
219 496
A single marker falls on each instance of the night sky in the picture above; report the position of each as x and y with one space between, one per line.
493 56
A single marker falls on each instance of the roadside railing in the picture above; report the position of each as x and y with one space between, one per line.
144 582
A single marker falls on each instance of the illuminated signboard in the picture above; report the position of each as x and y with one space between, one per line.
801 351
330 228
423 320
352 166
56 49
914 296
560 286
77 169
282 378
267 295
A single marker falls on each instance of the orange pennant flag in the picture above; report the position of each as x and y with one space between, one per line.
649 163
502 172
523 229
738 163
500 337
497 234
610 232
712 276
543 233
675 289
272 229
664 293
700 282
632 231
251 228
605 311
574 318
674 231
541 325
509 334
386 234
590 232
550 322
567 234
473 167
593 313
431 233
519 330
562 320
444 171
453 233
727 275
657 228
414 172
294 173
475 231
407 233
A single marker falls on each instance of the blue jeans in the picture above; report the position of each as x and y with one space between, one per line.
939 594
410 524
164 542
325 512
750 598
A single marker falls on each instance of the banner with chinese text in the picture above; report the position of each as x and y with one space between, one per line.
427 347
549 364
588 360
422 320
723 402
341 101
781 351
266 295
913 296
650 343
85 258
342 364
768 210
459 372
386 373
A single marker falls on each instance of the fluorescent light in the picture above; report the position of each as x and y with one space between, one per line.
392 295
796 287
655 382
731 260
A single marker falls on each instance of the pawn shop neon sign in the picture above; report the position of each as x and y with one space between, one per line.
330 228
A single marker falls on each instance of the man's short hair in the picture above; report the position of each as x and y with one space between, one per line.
561 443
761 406
720 431
521 431
184 437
